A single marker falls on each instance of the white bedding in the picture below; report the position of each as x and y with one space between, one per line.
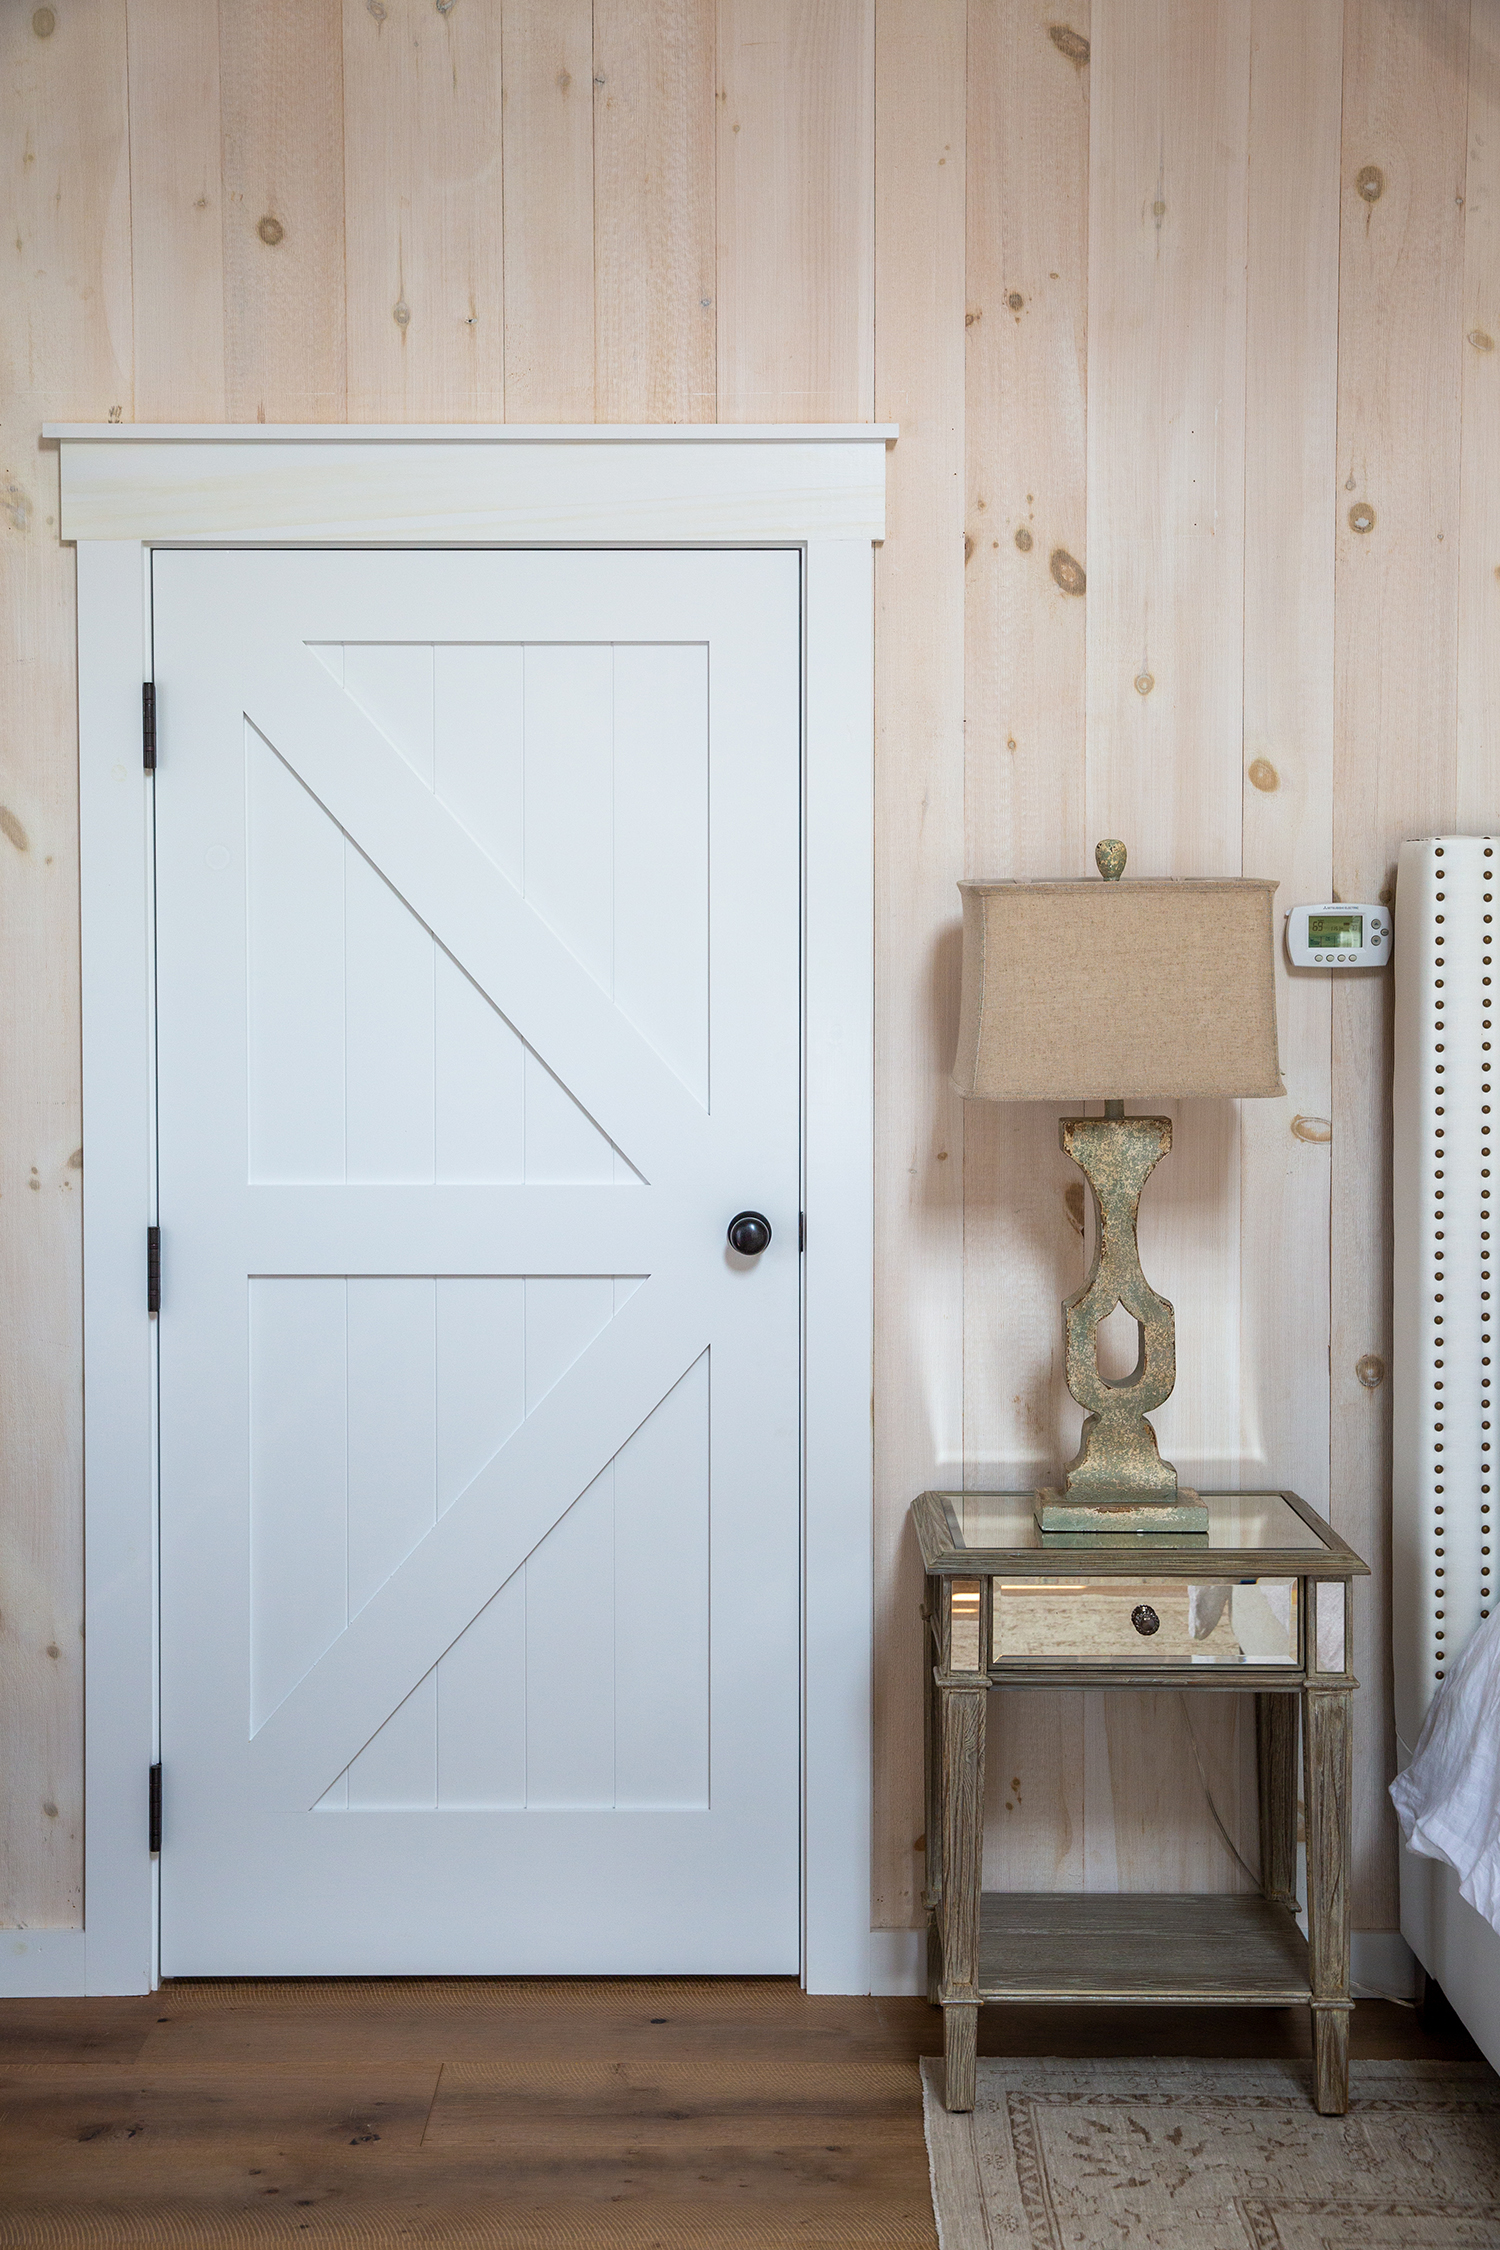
1448 1799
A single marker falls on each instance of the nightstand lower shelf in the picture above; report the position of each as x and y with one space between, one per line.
1146 1949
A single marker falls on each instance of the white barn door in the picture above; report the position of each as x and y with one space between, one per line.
478 1020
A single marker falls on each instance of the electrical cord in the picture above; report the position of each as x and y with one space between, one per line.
1230 1844
1361 1991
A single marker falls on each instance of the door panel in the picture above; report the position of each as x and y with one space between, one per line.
478 1002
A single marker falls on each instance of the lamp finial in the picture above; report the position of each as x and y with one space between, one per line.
1109 858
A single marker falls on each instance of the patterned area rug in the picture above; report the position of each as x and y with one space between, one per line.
1216 2156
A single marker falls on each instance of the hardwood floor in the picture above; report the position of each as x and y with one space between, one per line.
714 2114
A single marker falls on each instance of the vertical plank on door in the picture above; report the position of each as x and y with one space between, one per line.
391 960
294 914
570 1705
481 1374
478 730
299 1521
478 727
1169 127
654 203
661 1619
1478 805
919 233
392 1425
1290 453
1401 263
281 94
393 684
64 352
479 1120
795 197
1025 424
570 798
423 211
481 1714
569 871
176 212
481 1399
563 1315
660 873
390 1032
569 1578
392 1475
548 68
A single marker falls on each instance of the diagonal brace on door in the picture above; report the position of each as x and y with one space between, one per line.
476 914
476 1545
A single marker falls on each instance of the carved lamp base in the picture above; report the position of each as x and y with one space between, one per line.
1117 1481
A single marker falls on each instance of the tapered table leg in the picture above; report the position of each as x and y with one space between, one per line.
1276 1762
961 1714
1327 1787
932 1889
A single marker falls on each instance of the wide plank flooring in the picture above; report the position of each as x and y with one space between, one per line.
705 2114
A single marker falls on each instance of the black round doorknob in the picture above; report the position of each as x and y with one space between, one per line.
749 1233
1144 1618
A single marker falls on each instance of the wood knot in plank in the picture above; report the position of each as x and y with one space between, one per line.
1069 42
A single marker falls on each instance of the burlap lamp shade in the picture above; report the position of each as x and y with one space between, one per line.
1117 990
1077 990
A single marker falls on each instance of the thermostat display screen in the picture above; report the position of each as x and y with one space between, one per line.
1330 935
1335 930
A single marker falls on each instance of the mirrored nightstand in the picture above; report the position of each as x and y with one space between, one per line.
1262 1604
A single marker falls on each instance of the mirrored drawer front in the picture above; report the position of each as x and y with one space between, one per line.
1150 1622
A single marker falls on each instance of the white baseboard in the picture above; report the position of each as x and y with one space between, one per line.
898 1962
50 1964
1381 1961
41 1964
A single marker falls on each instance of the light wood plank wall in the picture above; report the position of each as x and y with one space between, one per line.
1158 290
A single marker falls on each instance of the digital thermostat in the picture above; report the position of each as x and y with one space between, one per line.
1338 937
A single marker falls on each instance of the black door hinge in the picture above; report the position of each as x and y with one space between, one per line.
153 1269
153 1809
148 725
801 1230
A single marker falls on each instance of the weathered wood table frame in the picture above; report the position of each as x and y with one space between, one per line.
1234 1950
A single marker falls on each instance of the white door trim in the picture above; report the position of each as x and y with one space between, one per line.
124 490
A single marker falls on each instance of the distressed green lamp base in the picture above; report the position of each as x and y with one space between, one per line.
1064 1511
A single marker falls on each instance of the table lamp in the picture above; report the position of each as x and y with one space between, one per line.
1073 990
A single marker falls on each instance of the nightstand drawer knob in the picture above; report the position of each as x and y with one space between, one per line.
1144 1618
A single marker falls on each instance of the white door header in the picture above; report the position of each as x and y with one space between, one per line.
570 484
